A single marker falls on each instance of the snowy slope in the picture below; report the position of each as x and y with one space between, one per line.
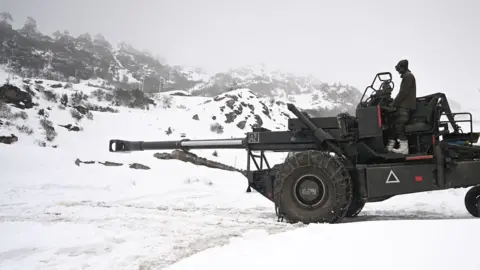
236 112
57 215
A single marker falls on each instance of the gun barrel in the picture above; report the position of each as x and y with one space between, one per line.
129 146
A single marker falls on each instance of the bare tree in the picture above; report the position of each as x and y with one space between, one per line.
6 17
57 35
30 26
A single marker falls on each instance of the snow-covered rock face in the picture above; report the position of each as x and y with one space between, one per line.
61 110
313 94
245 110
95 62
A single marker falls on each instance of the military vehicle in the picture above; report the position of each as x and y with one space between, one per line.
338 164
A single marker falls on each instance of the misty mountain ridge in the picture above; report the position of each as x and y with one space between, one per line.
61 57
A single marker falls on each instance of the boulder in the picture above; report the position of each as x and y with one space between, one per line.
139 166
14 95
8 139
108 163
71 127
81 109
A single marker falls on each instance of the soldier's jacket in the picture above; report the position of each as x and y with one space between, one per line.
406 97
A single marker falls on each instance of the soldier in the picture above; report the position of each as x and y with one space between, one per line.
405 103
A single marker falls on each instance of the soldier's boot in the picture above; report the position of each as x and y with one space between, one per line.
403 148
390 145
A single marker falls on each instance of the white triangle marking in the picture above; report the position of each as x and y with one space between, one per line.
392 178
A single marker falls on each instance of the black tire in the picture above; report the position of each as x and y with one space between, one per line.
472 201
328 179
355 207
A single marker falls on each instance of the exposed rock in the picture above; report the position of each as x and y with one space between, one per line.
39 88
78 162
218 98
230 103
14 95
139 166
241 124
195 117
80 58
265 110
50 96
109 163
71 127
179 94
29 90
42 112
230 117
97 108
81 109
8 139
234 97
217 128
259 121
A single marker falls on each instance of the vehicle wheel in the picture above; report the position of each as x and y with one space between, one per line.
472 201
355 207
313 187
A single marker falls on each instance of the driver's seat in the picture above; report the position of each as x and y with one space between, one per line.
422 118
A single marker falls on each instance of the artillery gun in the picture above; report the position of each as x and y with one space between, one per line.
338 164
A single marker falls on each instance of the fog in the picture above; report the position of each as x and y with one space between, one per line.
342 40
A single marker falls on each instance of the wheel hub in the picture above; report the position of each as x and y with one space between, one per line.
309 190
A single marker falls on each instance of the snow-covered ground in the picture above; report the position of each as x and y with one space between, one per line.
57 215
415 244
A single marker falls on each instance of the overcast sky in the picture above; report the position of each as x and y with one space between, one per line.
341 40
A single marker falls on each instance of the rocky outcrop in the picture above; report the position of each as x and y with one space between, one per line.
71 127
109 163
81 109
15 96
139 166
78 162
66 58
136 166
8 139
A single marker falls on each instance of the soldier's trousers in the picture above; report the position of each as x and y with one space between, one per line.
400 118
